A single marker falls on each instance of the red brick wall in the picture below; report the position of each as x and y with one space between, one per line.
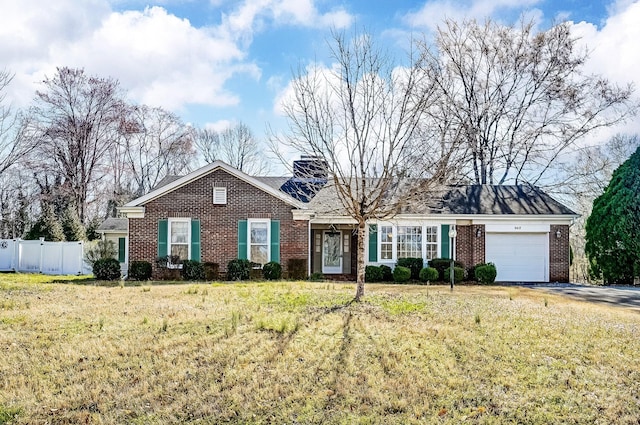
559 254
218 223
470 249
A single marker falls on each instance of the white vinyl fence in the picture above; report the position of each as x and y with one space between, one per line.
42 257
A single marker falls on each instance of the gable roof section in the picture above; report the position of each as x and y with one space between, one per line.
500 200
208 169
114 225
463 200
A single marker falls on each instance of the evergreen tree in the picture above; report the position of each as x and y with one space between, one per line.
71 224
613 229
47 226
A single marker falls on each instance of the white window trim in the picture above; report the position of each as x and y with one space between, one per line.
394 235
169 243
258 220
219 196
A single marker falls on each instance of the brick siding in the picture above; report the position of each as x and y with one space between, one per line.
219 223
470 249
559 254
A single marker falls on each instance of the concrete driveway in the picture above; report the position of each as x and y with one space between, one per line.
621 296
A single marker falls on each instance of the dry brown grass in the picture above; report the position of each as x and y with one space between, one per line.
298 352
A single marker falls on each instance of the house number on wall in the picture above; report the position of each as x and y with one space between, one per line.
517 227
4 244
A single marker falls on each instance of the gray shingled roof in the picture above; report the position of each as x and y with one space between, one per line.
456 200
498 200
464 200
113 225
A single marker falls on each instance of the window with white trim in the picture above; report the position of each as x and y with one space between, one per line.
179 238
220 195
259 241
409 241
386 243
431 242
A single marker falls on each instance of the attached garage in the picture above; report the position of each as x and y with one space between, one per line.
519 257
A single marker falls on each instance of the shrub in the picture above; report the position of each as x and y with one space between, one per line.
297 268
100 250
441 264
458 274
211 271
372 274
140 270
387 273
413 264
238 269
428 274
486 273
192 270
272 271
401 274
106 269
316 277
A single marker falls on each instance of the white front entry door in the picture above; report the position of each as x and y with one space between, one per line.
331 252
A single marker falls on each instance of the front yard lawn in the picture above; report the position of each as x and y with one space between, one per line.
299 352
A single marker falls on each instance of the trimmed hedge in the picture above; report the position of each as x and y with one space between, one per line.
441 264
458 274
387 273
192 270
428 274
401 274
297 268
372 274
140 270
486 273
211 271
106 269
272 271
239 269
413 264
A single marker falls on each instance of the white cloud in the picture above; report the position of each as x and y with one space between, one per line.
433 12
613 51
159 58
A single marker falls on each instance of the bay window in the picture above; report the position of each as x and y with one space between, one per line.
409 241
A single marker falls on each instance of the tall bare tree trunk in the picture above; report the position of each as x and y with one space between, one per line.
361 261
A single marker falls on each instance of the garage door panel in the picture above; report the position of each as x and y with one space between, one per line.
519 257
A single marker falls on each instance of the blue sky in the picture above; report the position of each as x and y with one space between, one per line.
217 62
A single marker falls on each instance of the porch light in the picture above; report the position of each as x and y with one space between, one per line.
558 234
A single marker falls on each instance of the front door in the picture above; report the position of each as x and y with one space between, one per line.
332 252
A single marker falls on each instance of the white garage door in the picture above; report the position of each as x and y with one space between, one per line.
519 257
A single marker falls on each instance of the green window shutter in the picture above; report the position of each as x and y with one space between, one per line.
444 241
373 242
121 249
275 241
242 239
195 240
163 229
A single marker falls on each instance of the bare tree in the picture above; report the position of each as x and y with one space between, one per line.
13 146
517 99
73 125
361 117
235 145
155 143
207 143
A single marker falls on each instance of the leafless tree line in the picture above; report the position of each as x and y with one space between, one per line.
82 144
